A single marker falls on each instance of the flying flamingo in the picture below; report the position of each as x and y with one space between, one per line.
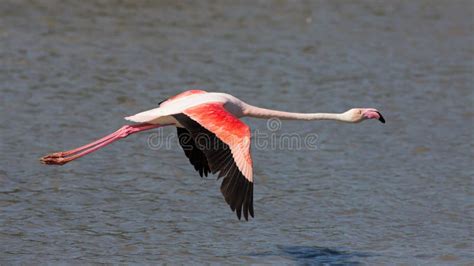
212 136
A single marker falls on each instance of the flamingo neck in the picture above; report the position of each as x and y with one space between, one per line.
257 112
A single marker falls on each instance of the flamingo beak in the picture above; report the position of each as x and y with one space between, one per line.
381 119
374 114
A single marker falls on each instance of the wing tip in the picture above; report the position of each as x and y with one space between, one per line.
244 207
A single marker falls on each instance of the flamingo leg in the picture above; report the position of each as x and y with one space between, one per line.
64 157
76 150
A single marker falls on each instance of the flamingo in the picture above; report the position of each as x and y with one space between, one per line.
212 136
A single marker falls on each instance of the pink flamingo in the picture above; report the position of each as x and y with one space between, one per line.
212 136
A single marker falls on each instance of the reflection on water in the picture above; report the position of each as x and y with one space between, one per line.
309 255
401 191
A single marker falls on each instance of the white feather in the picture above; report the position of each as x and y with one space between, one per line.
177 106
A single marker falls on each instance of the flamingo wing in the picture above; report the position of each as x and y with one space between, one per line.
225 142
181 95
196 157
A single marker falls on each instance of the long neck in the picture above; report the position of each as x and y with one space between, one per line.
253 111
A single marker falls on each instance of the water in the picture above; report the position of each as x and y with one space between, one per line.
370 194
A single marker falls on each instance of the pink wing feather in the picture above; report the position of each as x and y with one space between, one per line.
228 155
228 128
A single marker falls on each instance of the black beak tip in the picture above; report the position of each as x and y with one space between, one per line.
381 119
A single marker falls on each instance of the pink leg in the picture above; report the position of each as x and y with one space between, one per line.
76 150
61 158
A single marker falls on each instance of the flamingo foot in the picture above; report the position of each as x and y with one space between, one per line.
54 155
54 158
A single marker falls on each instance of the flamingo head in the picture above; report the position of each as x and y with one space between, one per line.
357 115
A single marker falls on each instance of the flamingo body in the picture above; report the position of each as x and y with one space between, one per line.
212 136
181 102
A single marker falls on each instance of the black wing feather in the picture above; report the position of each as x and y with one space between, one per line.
237 190
196 156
